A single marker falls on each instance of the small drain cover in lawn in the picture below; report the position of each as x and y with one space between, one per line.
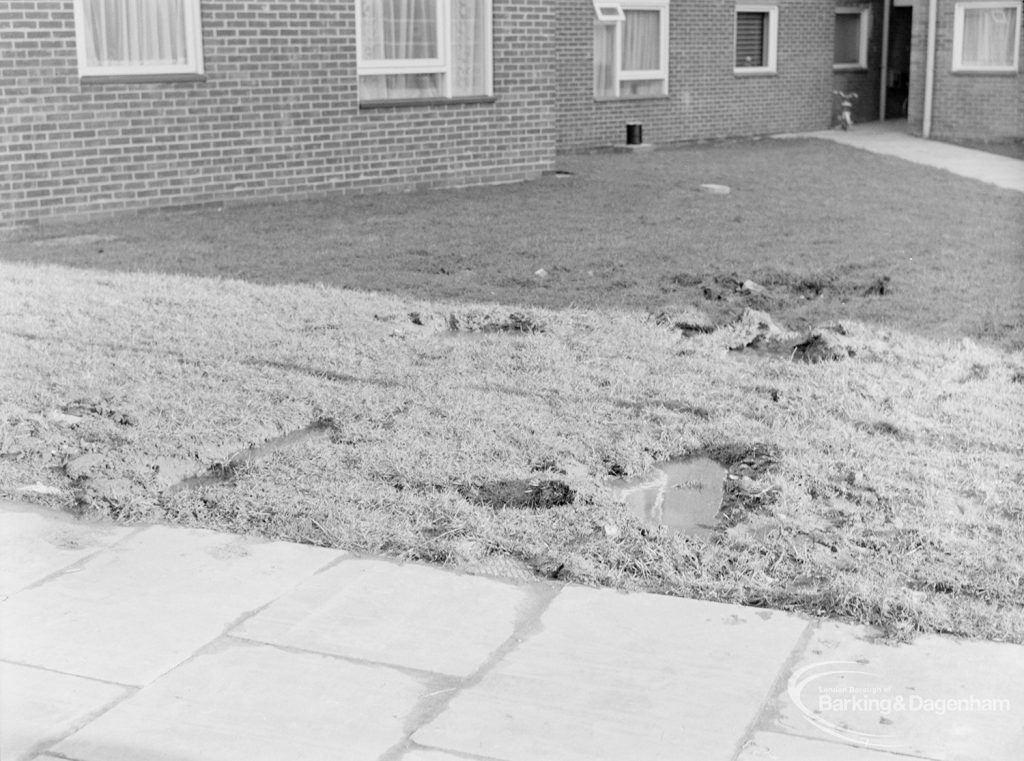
684 495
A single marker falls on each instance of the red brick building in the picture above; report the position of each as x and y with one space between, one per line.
116 105
975 89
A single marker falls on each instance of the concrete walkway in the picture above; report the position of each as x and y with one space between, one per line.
169 644
891 139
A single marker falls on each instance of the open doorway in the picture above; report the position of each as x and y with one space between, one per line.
898 82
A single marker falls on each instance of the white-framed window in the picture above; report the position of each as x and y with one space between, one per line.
631 49
853 29
424 49
986 36
757 39
608 11
138 37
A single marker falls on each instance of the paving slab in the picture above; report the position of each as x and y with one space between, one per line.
615 676
437 755
36 542
144 605
938 698
244 701
39 707
404 615
769 746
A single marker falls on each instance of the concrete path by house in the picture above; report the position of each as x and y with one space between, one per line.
170 644
891 139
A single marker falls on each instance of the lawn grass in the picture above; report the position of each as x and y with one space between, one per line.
883 487
470 412
815 222
1011 147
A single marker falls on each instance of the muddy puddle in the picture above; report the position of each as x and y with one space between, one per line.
684 495
223 472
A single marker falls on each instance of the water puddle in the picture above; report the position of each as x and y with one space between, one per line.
223 472
684 495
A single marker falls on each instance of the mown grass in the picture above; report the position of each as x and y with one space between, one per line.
816 222
1010 147
883 488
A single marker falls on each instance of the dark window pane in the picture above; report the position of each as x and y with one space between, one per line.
751 39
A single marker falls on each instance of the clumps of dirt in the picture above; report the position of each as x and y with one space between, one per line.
481 321
882 428
1017 376
682 280
83 466
879 287
824 345
747 489
853 486
519 493
486 322
976 372
121 499
96 407
770 288
614 469
688 320
755 332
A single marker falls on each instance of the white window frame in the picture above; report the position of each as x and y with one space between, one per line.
773 38
958 35
441 64
609 12
661 73
194 47
865 36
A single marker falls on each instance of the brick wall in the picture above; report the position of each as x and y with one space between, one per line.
277 116
965 105
865 82
706 99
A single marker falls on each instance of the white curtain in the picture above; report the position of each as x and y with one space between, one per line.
399 29
604 60
469 48
641 51
136 32
989 34
406 30
641 41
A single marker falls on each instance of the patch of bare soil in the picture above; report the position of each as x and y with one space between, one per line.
480 321
773 289
534 494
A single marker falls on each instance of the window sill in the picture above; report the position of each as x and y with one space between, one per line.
370 105
985 72
118 79
620 98
755 73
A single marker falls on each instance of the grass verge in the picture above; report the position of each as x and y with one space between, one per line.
816 224
882 487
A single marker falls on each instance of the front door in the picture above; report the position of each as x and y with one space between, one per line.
898 86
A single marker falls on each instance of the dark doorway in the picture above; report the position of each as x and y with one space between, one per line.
898 86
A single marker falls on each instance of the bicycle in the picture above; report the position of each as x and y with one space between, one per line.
846 106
